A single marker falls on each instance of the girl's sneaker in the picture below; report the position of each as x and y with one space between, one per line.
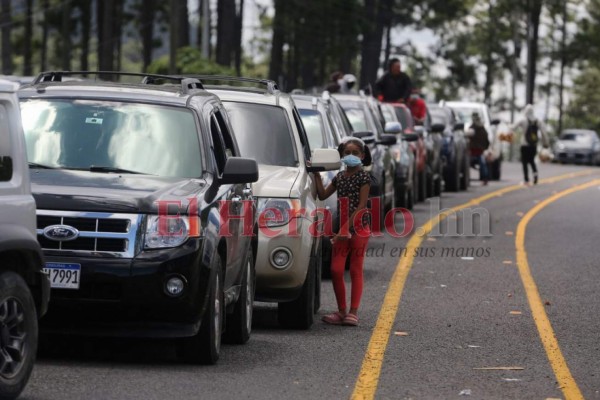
335 318
350 320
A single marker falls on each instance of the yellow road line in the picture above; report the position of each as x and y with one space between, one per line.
557 361
368 377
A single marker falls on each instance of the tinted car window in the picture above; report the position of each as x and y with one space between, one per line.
579 137
6 167
259 129
79 134
405 118
313 124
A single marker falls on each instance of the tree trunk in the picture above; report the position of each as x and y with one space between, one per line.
239 20
205 29
173 37
148 12
489 59
6 23
27 42
183 25
563 64
276 62
44 49
225 31
117 32
105 32
374 14
533 22
66 35
86 24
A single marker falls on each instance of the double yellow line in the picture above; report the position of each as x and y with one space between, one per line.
368 377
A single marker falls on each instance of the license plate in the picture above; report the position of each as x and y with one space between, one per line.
63 275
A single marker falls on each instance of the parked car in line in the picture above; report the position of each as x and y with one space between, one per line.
129 180
366 124
321 132
580 146
24 286
269 129
455 150
341 124
464 112
405 152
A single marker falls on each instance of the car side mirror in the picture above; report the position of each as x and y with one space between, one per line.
410 137
459 126
438 128
495 122
393 127
239 170
388 140
324 160
366 136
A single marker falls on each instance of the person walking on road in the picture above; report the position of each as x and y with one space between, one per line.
395 85
532 131
479 144
352 186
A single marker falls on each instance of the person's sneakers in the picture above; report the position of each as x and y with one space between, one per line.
335 318
351 320
535 179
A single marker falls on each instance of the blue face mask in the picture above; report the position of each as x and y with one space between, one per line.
351 160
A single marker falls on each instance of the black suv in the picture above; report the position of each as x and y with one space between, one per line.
132 182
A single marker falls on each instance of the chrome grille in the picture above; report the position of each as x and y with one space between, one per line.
99 233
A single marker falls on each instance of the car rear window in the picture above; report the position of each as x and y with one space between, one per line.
144 138
263 132
579 137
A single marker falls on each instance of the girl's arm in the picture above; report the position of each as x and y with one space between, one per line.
322 192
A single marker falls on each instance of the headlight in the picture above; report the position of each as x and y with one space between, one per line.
277 212
163 231
560 146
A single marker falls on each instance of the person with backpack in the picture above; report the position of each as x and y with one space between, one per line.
532 132
479 144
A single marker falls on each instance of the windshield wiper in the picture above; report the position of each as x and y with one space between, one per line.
41 166
96 168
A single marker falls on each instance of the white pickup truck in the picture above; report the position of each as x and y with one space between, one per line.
24 287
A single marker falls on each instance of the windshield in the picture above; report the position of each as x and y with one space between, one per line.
404 117
464 114
438 116
313 124
143 138
578 137
263 133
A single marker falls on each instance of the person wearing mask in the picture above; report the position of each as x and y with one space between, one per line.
532 131
479 143
417 106
347 83
395 85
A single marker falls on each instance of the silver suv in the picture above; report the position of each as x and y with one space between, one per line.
268 128
24 288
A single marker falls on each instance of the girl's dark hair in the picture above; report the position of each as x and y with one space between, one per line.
367 160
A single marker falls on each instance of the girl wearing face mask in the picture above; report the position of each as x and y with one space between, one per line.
352 186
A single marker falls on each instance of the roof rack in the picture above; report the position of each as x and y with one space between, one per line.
271 86
187 83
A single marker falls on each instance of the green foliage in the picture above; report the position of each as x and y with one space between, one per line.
189 61
582 112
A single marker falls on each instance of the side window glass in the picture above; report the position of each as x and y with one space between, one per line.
226 134
6 166
219 150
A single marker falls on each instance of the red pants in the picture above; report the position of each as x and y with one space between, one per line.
354 248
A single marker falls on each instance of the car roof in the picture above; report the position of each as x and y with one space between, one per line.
470 104
580 131
250 95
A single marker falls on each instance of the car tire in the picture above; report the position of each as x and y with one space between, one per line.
496 169
205 346
18 321
299 314
437 186
318 276
326 257
452 178
239 322
424 179
465 179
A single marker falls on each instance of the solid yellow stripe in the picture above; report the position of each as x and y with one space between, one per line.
557 361
368 377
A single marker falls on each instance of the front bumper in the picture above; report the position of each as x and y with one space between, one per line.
122 295
275 284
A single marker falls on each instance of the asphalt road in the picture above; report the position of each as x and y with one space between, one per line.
454 315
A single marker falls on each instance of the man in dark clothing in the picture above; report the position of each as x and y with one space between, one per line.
394 85
478 145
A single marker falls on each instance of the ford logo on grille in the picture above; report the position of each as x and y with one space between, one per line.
61 233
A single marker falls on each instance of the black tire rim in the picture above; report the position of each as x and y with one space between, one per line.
13 337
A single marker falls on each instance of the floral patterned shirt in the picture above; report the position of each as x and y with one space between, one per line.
348 186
